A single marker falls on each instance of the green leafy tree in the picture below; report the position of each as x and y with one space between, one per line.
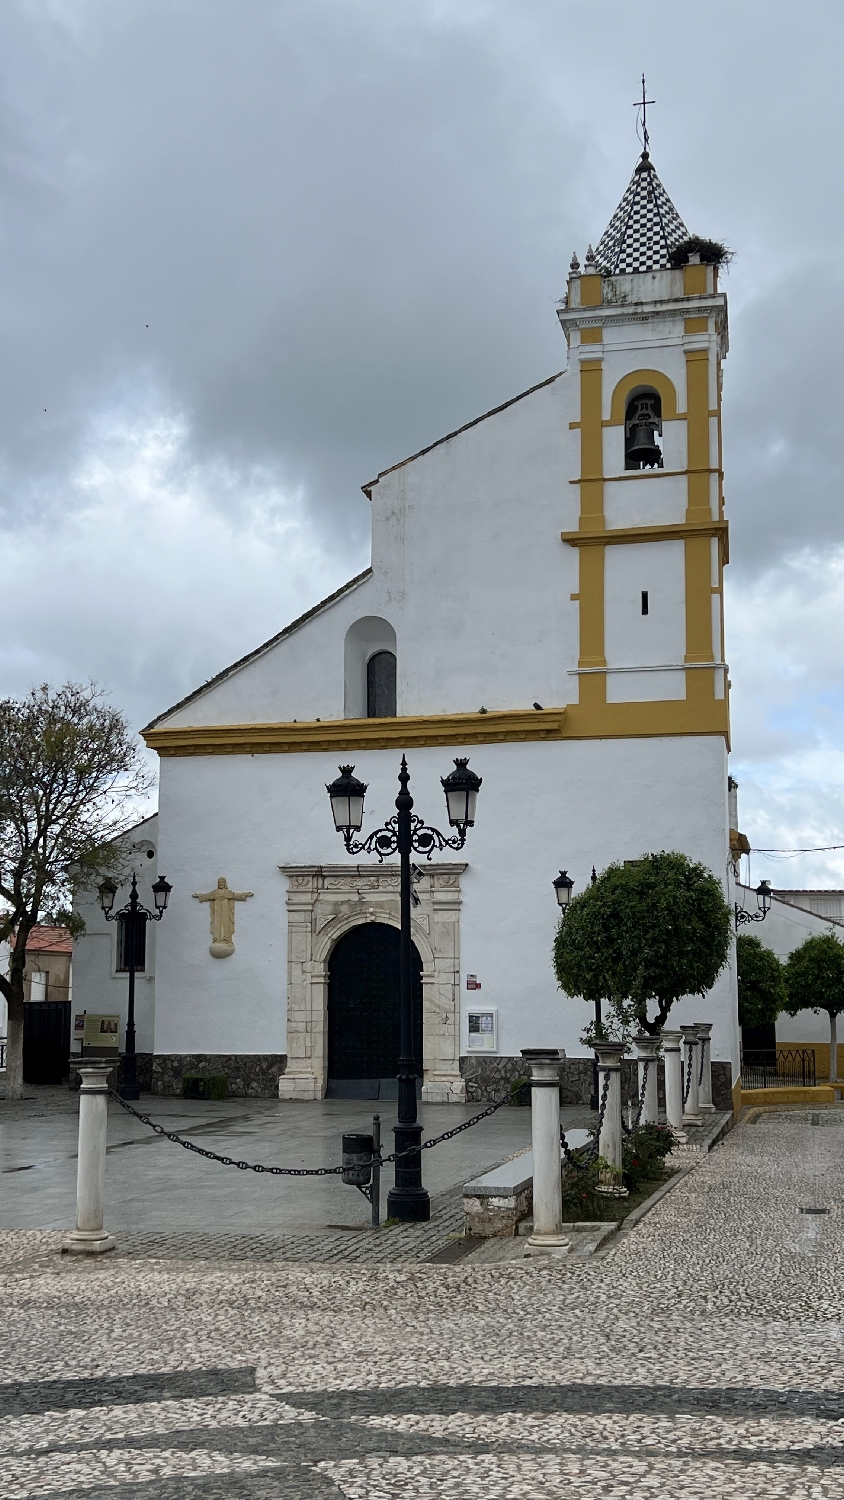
70 776
814 977
762 992
642 936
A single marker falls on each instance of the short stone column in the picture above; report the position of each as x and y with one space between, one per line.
547 1158
89 1237
609 1068
691 1113
647 1054
673 1059
705 1104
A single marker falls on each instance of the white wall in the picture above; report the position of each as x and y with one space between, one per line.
783 930
541 807
97 986
467 568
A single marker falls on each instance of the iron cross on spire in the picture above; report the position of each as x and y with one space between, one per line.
642 104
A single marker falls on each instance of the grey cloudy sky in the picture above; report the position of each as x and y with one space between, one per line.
252 253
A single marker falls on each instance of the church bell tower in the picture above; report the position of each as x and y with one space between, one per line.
646 327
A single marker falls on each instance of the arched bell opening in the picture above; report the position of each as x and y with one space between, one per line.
642 430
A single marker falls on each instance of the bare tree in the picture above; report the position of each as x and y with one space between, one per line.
70 777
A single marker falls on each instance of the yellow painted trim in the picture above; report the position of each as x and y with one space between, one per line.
593 719
694 281
591 336
775 1098
591 291
696 325
698 562
628 383
671 531
591 592
651 473
505 727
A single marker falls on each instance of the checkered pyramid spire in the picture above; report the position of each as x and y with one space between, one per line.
644 227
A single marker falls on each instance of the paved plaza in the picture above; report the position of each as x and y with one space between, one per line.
701 1356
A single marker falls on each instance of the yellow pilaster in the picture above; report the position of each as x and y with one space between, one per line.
697 428
700 687
593 689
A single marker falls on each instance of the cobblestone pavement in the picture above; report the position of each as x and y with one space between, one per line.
701 1357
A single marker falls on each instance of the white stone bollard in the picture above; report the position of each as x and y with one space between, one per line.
673 1082
89 1237
704 1031
545 1133
691 1113
609 1066
647 1051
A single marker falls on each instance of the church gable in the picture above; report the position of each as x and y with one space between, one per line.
270 683
460 535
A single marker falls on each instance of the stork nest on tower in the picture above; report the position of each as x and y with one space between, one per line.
711 252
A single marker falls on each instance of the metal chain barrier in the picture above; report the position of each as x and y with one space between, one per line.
703 1042
686 1072
581 1162
248 1166
634 1125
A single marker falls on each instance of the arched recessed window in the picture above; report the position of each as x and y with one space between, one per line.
381 686
642 428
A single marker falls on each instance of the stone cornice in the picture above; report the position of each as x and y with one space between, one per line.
495 727
671 531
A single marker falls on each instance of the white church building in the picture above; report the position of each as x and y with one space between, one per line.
544 598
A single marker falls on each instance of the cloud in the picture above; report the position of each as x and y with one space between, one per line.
785 629
164 587
252 255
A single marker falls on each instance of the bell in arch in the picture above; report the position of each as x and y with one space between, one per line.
643 422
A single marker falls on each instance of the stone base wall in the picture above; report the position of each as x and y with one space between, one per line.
116 1077
497 1218
250 1075
489 1078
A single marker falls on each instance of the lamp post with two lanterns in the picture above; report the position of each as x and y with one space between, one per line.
134 916
405 834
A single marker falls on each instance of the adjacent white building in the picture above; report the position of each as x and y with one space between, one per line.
544 598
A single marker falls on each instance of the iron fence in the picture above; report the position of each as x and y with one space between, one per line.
788 1067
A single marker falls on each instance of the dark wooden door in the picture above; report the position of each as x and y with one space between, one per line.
46 1041
363 1012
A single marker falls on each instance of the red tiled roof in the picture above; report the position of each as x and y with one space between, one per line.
49 940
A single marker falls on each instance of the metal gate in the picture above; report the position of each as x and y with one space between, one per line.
363 1013
46 1041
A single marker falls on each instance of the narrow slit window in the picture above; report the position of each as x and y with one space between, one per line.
644 601
381 686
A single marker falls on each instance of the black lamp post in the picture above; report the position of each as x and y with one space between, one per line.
134 916
763 901
405 834
563 887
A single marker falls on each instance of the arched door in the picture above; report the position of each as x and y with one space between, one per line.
363 1013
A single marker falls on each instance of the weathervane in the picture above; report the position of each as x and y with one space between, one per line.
642 104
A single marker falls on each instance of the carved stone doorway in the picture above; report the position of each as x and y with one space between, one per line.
326 901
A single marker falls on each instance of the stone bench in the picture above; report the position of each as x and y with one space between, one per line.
495 1203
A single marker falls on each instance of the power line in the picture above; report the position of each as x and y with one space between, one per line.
816 849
